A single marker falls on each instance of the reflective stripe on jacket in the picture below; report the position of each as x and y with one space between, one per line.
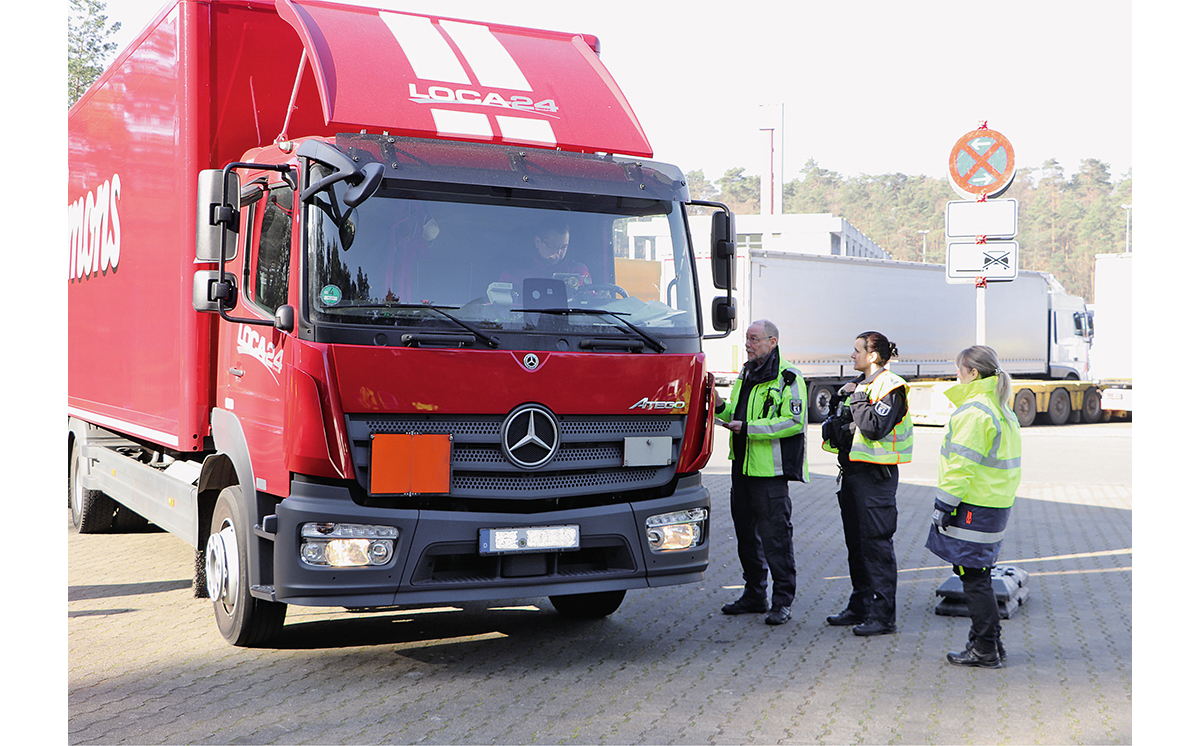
775 426
897 446
978 474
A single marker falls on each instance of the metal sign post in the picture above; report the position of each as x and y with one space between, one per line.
982 165
980 312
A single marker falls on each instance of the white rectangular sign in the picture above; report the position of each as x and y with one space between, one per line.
995 218
994 260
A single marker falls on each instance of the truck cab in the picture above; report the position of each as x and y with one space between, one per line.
402 352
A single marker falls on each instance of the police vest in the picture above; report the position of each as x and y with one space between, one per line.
897 446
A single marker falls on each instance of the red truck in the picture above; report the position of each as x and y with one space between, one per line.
314 333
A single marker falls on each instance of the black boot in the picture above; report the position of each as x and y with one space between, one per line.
972 656
746 605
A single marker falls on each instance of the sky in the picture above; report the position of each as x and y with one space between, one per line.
859 86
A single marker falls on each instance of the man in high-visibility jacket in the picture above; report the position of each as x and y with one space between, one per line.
872 440
767 415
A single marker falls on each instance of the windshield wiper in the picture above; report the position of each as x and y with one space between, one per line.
650 339
488 339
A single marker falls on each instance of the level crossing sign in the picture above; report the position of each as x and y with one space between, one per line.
982 163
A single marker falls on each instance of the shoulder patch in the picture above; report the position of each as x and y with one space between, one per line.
882 408
797 408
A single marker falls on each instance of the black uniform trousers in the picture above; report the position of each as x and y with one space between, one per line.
981 604
868 503
762 522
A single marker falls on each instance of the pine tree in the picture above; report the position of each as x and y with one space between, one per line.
88 45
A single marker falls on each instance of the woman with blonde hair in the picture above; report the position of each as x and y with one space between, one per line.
978 474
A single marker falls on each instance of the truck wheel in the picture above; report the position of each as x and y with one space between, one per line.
92 511
588 605
244 620
1025 407
1059 408
820 396
128 520
1092 411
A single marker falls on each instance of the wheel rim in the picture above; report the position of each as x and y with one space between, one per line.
824 397
76 492
221 566
1060 405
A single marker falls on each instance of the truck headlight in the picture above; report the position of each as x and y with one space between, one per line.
347 544
682 529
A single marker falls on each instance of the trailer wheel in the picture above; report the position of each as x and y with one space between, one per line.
244 620
1059 408
820 397
1092 411
92 511
588 605
1025 407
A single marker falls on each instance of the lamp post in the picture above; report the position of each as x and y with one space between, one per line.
766 197
923 235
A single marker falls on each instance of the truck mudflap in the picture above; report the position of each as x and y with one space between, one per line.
436 556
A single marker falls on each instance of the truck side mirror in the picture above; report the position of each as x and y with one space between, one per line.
370 177
215 217
209 292
724 251
285 318
364 182
724 314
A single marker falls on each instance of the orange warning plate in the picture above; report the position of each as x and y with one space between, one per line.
410 464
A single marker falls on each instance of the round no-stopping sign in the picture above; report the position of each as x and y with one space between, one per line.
982 164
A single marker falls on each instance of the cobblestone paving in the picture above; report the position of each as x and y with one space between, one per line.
146 664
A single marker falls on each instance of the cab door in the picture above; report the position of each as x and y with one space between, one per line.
251 372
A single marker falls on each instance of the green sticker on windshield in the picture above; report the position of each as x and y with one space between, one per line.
331 295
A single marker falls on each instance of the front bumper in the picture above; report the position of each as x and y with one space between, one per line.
437 557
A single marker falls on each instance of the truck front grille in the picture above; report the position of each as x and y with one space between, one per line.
588 461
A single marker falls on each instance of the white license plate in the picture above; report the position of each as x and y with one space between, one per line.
532 539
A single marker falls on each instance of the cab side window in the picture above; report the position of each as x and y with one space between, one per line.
270 289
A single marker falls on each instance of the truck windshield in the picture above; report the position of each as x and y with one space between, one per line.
499 261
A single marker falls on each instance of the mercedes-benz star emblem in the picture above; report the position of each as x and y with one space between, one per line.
530 436
531 361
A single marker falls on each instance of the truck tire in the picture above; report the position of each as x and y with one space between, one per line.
588 605
92 511
1058 411
1025 407
244 621
1092 412
127 520
820 396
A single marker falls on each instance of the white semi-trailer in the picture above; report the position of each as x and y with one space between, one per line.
1112 354
821 303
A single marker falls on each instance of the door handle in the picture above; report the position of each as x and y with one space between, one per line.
237 372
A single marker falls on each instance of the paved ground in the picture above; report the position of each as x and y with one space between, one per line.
146 664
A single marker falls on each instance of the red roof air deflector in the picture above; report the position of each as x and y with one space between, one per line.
422 76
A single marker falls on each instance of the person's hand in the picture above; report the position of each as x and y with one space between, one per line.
848 389
735 425
941 518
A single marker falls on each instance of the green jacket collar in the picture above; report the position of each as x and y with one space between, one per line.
960 392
